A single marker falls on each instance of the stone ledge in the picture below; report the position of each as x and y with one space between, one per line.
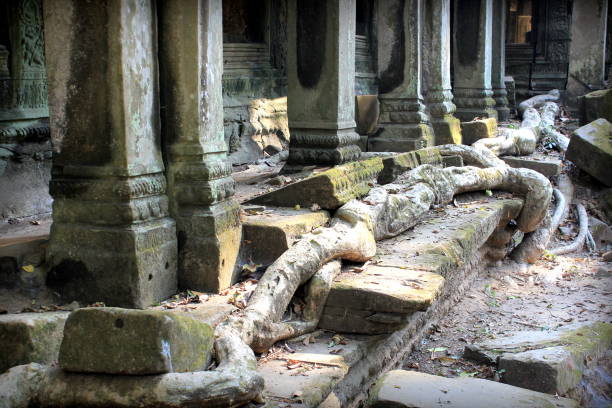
549 167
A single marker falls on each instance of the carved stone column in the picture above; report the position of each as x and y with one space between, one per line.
436 72
499 60
472 57
321 77
200 185
111 239
403 122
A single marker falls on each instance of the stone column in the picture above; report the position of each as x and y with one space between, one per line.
321 77
587 57
111 239
498 70
436 72
200 185
403 122
472 57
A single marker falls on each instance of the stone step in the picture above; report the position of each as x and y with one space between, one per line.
411 389
450 259
545 165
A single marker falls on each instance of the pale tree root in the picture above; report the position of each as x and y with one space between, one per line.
385 212
534 244
514 142
539 100
234 382
578 243
549 112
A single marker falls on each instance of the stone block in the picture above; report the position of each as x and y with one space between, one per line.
267 235
367 110
134 342
411 389
548 167
378 299
478 129
329 189
590 149
550 361
395 165
595 105
447 130
601 233
30 338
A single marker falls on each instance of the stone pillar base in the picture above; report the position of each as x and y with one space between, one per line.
323 146
401 138
133 266
447 130
209 241
473 103
501 104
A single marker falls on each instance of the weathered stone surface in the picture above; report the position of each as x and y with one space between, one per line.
378 299
411 389
134 342
452 161
395 165
547 166
329 189
550 362
266 236
595 105
590 148
601 233
30 338
478 129
367 110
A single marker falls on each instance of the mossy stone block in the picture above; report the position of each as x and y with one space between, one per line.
30 338
329 189
590 149
395 165
478 129
134 342
597 104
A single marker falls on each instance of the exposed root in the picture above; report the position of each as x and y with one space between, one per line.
549 111
471 156
533 245
539 100
514 142
583 220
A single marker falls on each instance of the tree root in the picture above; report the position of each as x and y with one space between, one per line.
583 220
538 100
534 244
514 142
549 111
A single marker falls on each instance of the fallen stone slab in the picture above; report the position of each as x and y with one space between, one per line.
548 167
395 165
378 299
590 149
595 105
270 232
329 189
30 338
545 361
134 342
412 389
478 129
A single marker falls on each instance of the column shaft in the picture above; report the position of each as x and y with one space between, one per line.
473 26
436 72
499 60
200 185
403 121
321 76
111 238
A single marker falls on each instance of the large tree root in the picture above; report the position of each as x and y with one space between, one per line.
539 100
385 212
583 220
548 112
534 244
514 142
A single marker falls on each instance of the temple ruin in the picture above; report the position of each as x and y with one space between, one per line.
274 202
